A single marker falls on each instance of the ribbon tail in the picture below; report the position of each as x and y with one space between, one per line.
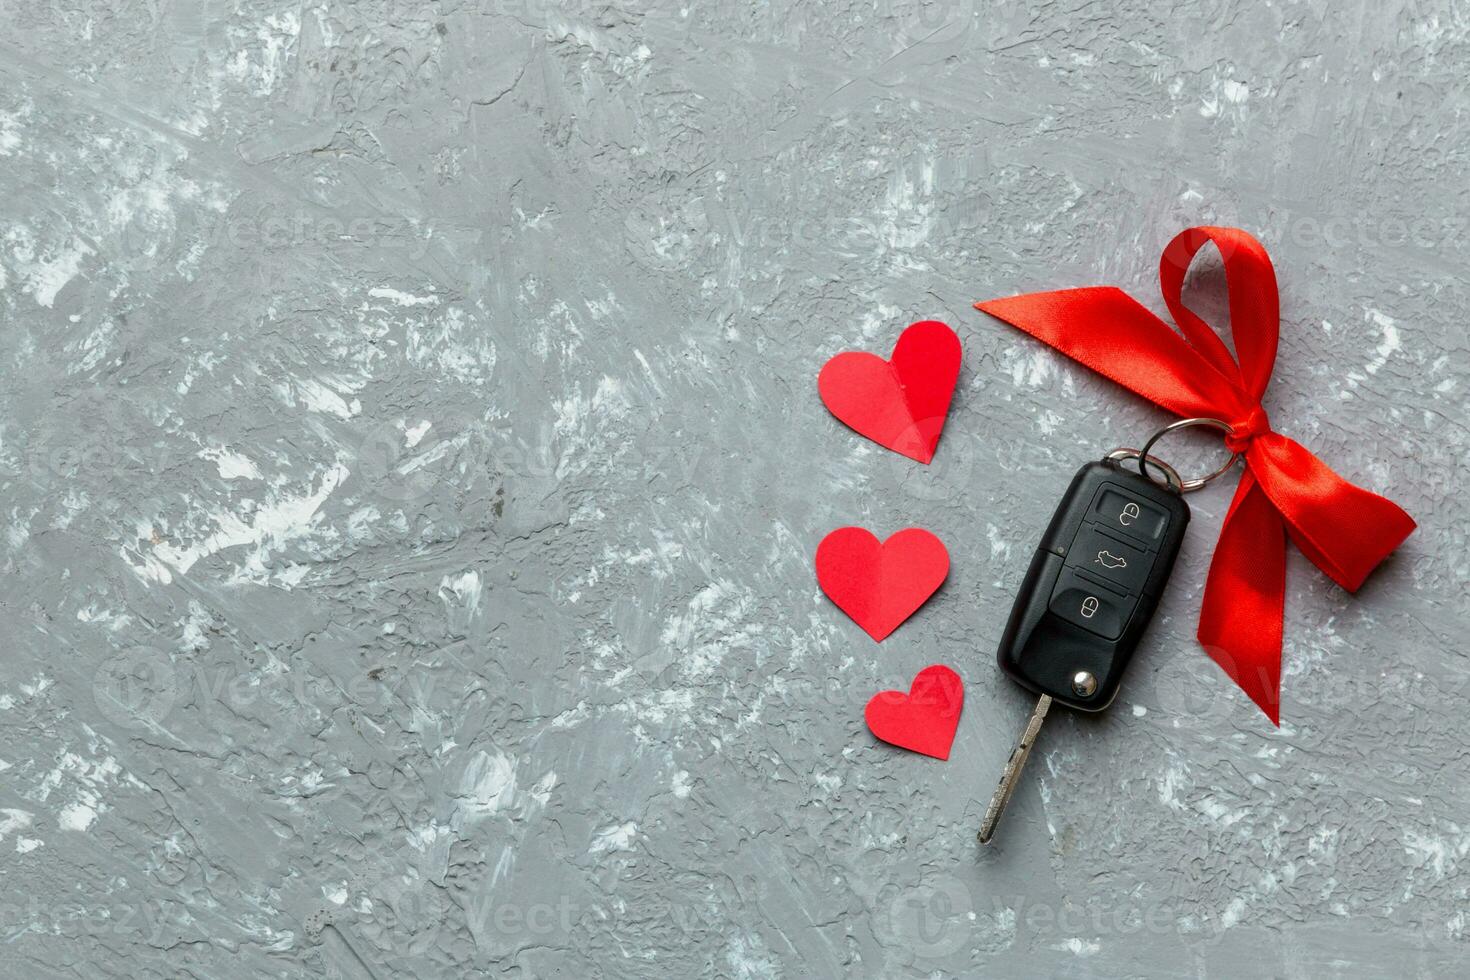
1344 529
1240 619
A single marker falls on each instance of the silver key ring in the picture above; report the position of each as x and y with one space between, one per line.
1171 475
1185 486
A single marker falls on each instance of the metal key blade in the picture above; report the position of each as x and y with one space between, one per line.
1012 773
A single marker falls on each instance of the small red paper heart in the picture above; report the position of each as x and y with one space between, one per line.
899 403
923 720
880 584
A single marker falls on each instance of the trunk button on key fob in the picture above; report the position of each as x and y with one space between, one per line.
1108 557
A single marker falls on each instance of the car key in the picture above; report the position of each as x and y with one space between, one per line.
1088 595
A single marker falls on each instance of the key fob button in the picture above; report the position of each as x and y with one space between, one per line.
1090 606
1130 514
1110 558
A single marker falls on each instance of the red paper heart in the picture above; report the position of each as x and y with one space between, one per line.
923 720
899 403
880 585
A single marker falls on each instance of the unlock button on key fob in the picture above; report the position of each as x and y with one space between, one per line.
1089 605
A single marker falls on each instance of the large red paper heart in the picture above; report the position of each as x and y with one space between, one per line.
923 720
899 403
880 585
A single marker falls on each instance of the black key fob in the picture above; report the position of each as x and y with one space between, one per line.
1093 585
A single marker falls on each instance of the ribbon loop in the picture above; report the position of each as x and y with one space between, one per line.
1255 310
1285 490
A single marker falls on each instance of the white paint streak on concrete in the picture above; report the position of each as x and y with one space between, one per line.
265 527
618 837
13 820
399 298
231 465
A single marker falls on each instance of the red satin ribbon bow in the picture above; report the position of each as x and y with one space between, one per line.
1344 529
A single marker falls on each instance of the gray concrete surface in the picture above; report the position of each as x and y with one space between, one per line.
411 466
